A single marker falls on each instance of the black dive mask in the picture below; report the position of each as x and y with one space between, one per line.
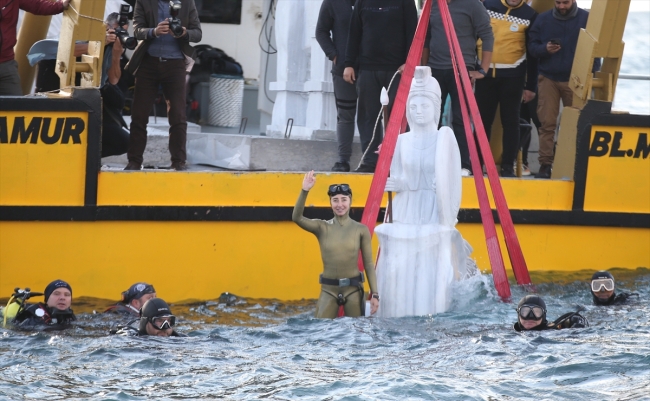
339 189
531 312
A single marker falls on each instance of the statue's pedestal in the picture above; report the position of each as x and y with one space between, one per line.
417 266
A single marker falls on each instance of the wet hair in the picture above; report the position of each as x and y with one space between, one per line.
152 308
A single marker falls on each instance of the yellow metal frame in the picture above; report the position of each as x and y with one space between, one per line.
82 21
603 38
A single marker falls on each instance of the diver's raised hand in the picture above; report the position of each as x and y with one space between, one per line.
309 181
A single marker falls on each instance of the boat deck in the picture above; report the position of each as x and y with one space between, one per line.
251 151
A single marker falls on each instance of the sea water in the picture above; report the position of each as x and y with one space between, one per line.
267 349
634 95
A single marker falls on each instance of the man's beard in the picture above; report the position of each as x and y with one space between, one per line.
565 11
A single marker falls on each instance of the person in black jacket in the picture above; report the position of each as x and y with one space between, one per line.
381 33
332 35
54 314
133 299
471 22
603 290
531 313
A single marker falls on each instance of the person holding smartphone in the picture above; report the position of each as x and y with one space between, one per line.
553 40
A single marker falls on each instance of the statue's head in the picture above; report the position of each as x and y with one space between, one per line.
423 105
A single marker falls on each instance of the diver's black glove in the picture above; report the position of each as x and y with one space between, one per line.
576 322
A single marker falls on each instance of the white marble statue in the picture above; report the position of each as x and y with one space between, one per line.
421 252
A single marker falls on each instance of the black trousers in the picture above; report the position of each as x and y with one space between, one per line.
506 92
528 112
169 74
369 84
448 87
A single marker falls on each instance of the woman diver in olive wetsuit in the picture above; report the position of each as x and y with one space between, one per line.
340 240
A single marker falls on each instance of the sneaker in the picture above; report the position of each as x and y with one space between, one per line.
544 171
133 166
179 166
525 171
341 166
365 168
507 172
465 172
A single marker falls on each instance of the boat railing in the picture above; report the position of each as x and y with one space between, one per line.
634 77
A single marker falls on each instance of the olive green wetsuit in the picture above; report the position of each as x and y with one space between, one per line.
340 240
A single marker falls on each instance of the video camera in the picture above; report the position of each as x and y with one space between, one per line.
175 24
127 41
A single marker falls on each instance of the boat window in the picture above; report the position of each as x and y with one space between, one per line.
219 11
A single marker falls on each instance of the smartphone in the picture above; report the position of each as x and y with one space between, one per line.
556 42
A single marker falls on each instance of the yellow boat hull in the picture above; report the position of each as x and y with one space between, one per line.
195 235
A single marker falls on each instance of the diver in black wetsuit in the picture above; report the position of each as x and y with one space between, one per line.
531 313
133 299
54 314
156 319
603 290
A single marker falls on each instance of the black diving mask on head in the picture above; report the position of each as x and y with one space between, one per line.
602 283
163 322
531 312
339 189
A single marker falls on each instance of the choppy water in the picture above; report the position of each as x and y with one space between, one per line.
634 96
266 349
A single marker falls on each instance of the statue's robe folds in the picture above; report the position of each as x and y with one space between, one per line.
421 252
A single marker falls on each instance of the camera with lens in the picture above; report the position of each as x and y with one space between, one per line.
175 24
127 41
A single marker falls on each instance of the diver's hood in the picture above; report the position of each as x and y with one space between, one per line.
541 326
599 301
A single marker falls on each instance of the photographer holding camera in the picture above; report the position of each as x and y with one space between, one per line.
115 135
161 58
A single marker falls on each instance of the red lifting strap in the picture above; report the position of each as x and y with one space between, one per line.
512 242
397 115
494 250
